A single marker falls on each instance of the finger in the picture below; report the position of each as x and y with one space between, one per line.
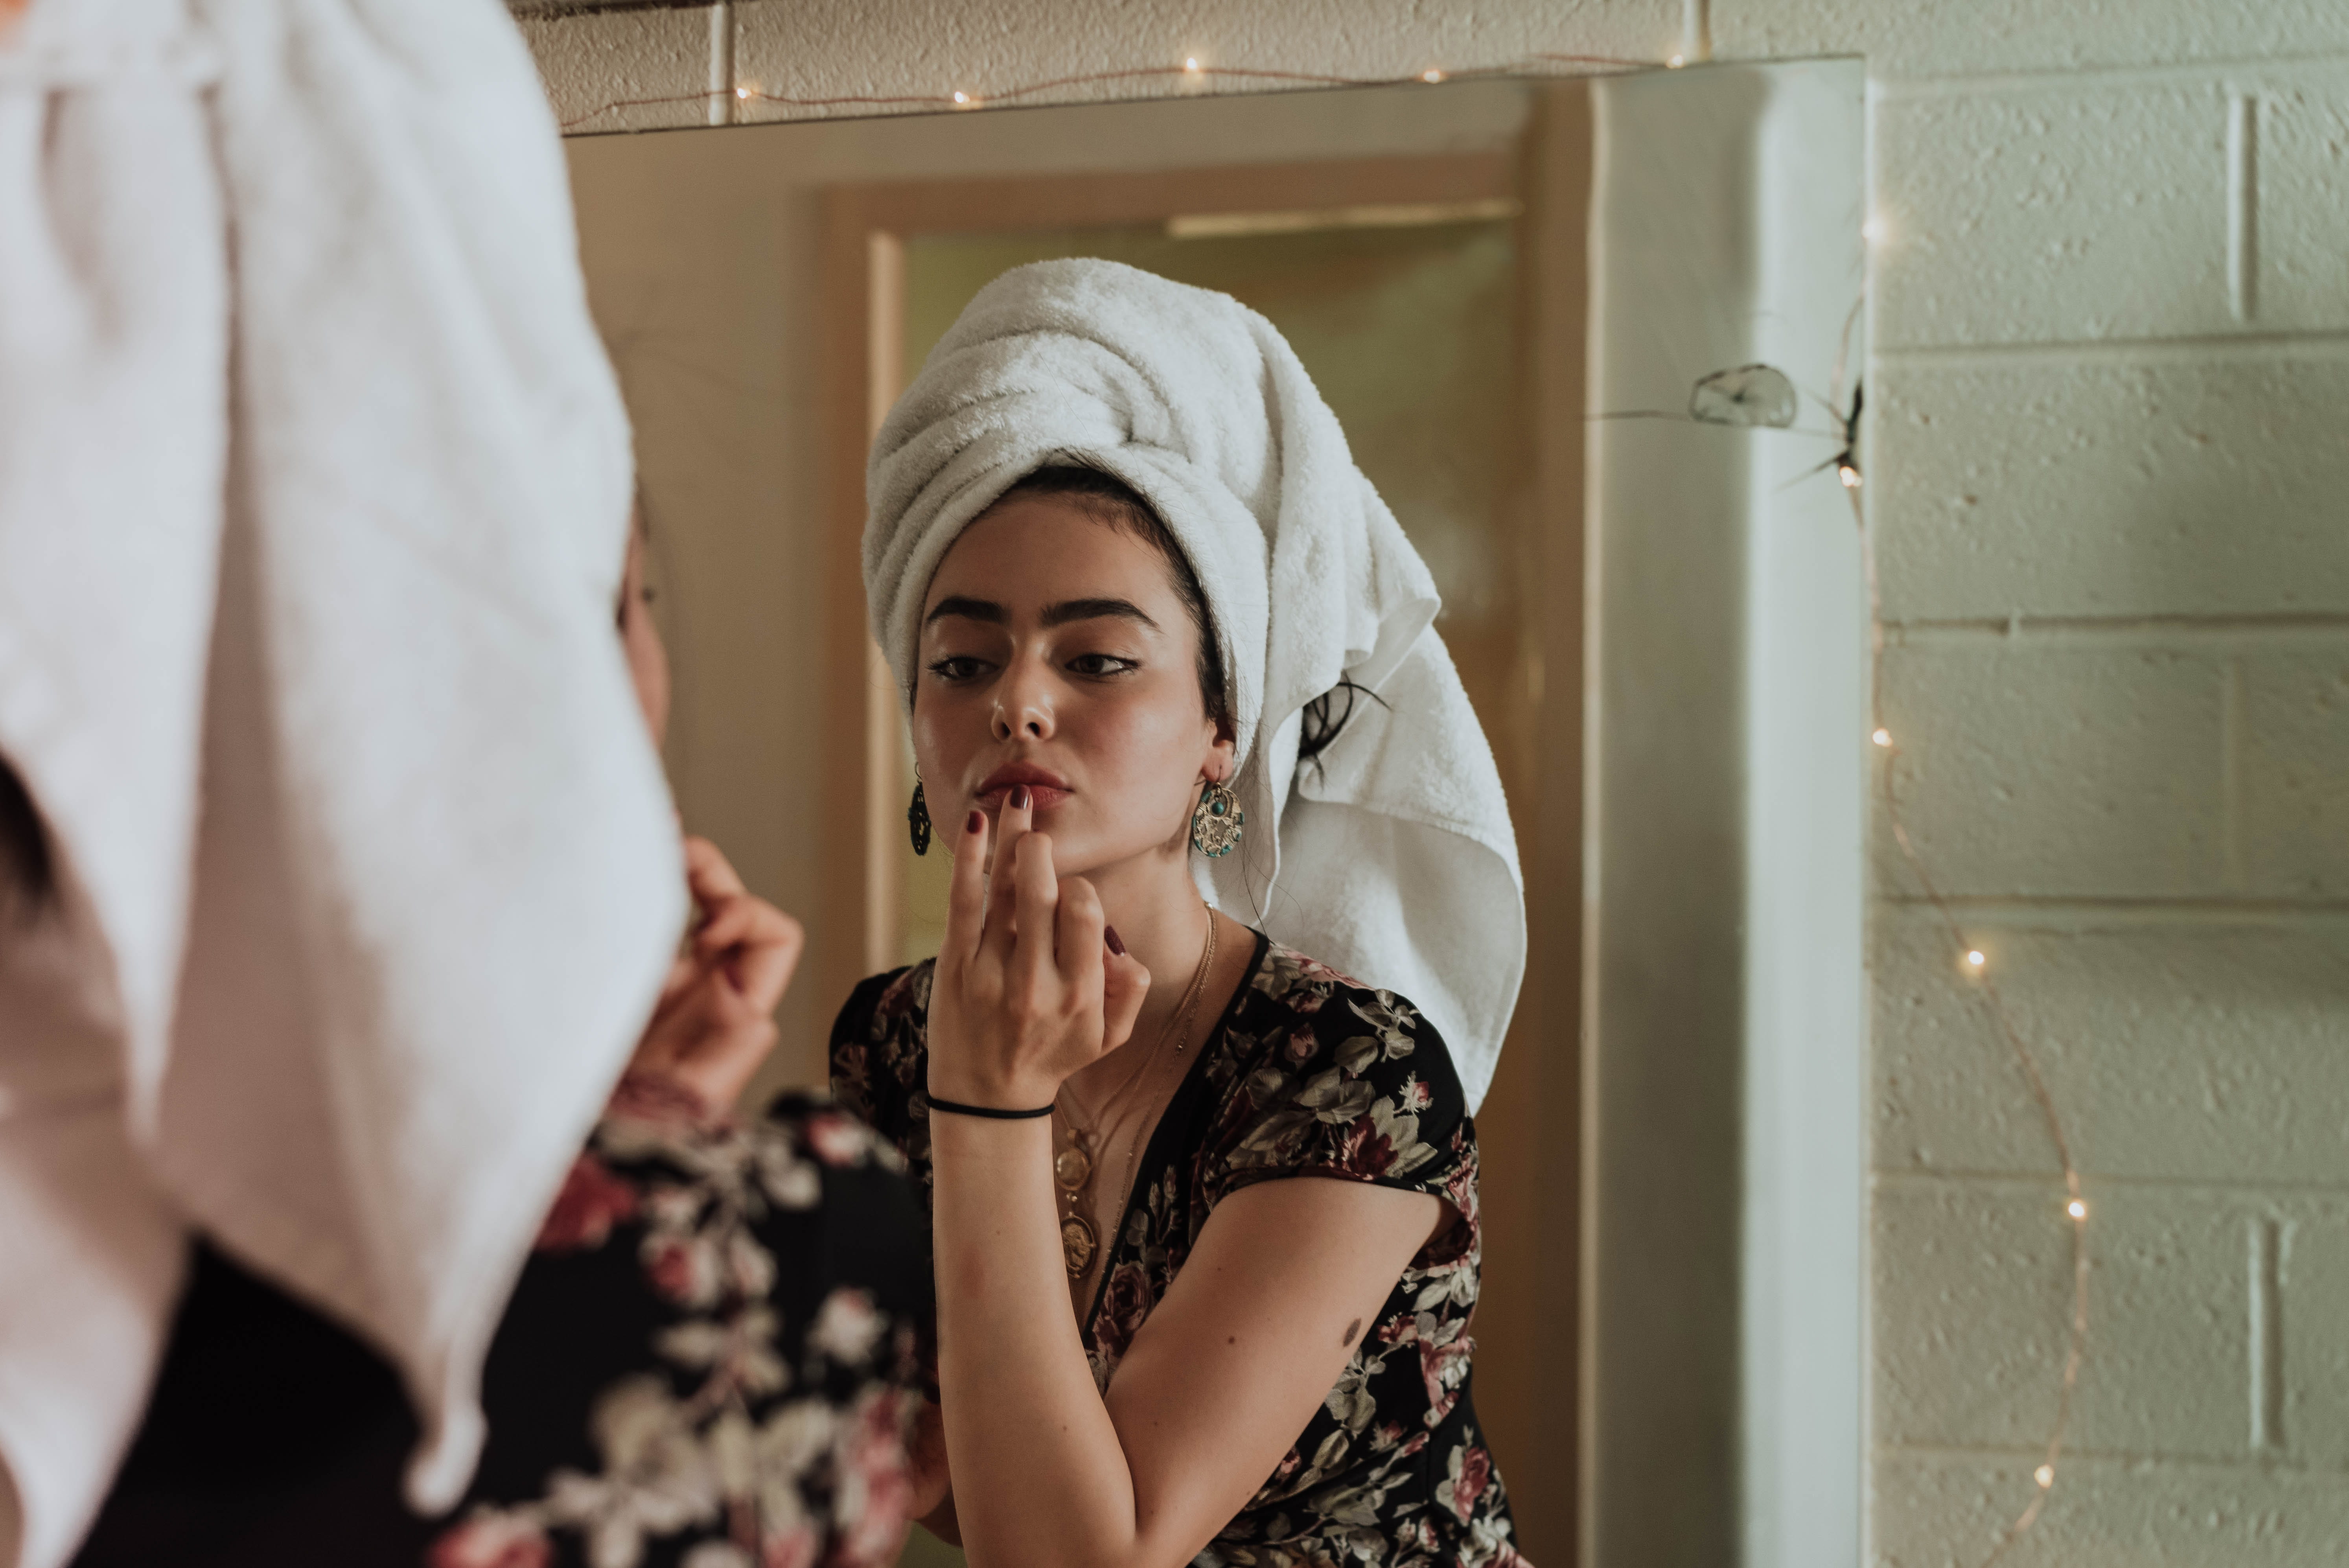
1013 818
745 920
708 872
1035 896
1077 929
1012 824
966 897
763 970
1125 985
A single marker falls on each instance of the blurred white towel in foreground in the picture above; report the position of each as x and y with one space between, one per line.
313 490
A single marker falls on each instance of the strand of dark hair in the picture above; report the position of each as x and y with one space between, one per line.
27 872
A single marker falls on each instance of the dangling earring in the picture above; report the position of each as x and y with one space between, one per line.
917 821
1215 823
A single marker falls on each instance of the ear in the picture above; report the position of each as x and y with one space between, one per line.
1223 749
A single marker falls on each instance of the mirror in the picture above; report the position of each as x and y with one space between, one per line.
1658 618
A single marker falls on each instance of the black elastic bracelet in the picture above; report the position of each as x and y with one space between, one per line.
993 1113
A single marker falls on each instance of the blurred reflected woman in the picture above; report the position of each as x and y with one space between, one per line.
1205 1213
342 876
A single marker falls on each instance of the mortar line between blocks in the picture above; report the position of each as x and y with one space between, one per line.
1959 1453
2264 1298
2051 1182
2317 343
2243 205
2233 707
2102 78
2162 630
2068 917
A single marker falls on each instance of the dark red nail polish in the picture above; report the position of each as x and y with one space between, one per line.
1019 797
975 822
1109 934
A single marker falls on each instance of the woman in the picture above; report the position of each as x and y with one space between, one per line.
710 1352
1161 641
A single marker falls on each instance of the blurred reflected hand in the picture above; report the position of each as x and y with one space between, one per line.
715 1021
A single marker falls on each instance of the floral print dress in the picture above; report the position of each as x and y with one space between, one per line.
1308 1073
711 1360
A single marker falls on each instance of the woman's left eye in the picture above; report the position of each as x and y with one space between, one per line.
1100 664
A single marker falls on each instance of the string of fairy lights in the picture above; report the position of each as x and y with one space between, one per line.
1975 962
1193 72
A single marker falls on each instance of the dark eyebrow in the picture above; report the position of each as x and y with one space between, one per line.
1070 610
985 610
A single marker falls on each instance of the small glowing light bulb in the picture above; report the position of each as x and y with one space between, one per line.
741 92
1849 475
2044 1475
2077 1209
1677 61
962 97
1974 957
1191 62
1430 75
1882 737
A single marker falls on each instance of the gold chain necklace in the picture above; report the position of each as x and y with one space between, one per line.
1073 1167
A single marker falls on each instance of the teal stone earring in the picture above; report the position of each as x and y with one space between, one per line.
1216 824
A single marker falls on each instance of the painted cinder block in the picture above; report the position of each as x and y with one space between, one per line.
591 60
2177 1051
2294 769
1912 38
2084 211
1949 1510
2168 485
1973 1289
2054 766
2300 281
2311 1329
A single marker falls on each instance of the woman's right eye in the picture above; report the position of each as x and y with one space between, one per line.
957 667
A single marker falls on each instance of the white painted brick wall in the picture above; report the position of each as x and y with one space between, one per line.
2135 481
2110 486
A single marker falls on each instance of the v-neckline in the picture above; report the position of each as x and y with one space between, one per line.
1152 1155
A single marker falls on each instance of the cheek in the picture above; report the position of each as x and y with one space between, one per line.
1148 745
949 726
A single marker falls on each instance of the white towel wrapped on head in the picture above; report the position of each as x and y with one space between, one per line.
1390 855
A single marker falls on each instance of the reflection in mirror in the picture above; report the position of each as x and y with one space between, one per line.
1658 624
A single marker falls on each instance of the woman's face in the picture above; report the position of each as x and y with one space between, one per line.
1056 653
647 657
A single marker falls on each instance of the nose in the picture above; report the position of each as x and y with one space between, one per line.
1023 703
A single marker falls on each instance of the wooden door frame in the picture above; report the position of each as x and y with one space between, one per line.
866 227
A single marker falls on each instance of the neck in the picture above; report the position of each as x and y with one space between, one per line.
1160 917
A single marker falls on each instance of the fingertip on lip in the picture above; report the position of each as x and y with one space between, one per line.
1019 797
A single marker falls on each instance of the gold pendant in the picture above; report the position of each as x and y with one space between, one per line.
1077 1245
1071 1168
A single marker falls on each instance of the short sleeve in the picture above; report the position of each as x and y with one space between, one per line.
878 1058
1340 1081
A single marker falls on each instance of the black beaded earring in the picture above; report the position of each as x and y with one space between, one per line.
917 821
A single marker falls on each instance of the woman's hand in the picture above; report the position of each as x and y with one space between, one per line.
715 1021
1027 990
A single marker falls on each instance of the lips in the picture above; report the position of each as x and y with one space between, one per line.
1046 788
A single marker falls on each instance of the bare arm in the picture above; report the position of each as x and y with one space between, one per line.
1230 1365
